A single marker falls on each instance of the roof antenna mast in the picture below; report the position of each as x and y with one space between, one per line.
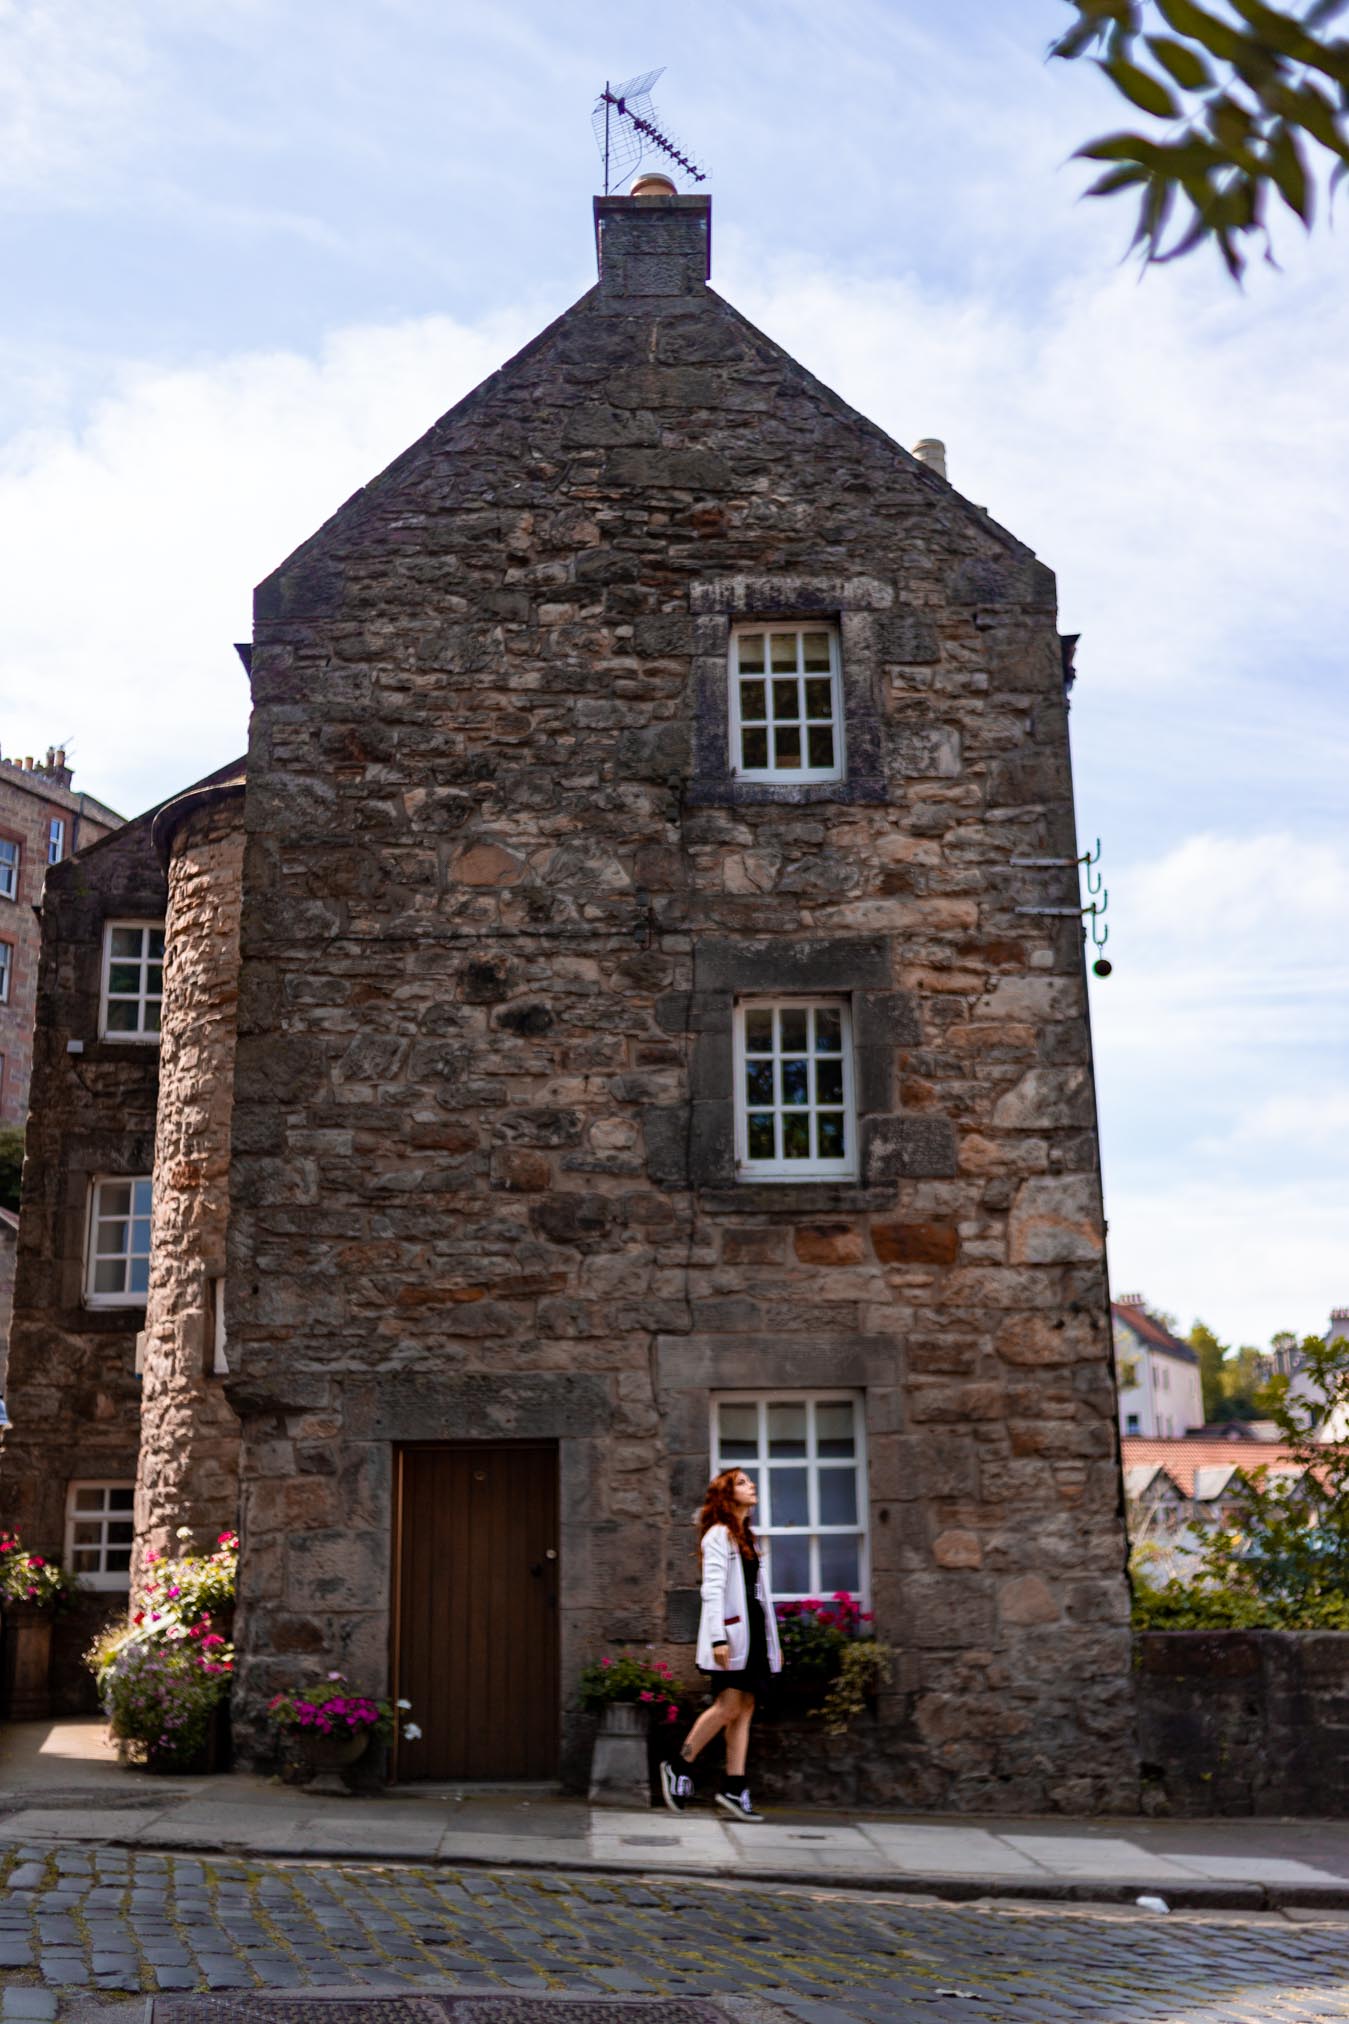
626 126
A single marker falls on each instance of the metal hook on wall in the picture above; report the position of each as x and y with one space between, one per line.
1088 861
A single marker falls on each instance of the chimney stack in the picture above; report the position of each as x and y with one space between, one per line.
654 244
931 450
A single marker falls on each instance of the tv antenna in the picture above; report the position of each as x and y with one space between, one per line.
627 126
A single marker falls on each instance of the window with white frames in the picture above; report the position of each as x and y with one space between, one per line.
794 1108
56 840
99 1532
133 980
219 1364
6 970
117 1269
786 724
806 1455
9 868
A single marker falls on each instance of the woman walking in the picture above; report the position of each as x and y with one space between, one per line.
737 1643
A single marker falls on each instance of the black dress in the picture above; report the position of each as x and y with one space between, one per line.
756 1675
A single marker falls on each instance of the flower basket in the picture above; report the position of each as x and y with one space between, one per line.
327 1727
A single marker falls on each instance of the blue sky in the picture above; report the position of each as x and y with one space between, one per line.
252 249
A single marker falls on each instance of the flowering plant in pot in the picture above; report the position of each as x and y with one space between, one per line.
167 1658
162 1698
832 1657
328 1726
26 1578
639 1682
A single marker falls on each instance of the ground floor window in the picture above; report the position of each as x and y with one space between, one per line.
99 1533
806 1454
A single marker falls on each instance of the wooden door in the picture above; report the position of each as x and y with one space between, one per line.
475 1615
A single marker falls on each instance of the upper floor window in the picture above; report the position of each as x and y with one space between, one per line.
6 970
100 1531
117 1265
795 1116
806 1457
9 868
133 980
786 725
56 840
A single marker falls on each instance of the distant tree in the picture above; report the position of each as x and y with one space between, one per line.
11 1165
1280 1556
1211 1354
1245 108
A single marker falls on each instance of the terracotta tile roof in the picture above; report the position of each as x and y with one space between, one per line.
1151 1332
1182 1458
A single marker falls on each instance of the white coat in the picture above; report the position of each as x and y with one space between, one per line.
725 1612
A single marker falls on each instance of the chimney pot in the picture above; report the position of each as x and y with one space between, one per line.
931 450
653 186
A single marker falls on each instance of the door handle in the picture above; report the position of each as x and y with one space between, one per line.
538 1567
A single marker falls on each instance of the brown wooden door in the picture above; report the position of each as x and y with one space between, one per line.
475 1619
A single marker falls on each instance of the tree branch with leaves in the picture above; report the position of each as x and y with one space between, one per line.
1248 107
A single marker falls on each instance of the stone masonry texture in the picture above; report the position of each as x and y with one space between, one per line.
30 798
188 1463
499 893
72 1393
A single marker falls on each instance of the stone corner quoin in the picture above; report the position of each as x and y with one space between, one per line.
494 893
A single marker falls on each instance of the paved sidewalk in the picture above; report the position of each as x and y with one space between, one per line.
59 1784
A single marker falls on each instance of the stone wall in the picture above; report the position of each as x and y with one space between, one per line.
72 1394
500 893
29 799
1244 1722
188 1473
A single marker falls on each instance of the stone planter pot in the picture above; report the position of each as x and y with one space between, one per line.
25 1663
618 1769
326 1757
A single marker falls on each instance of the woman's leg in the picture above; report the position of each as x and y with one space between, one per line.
737 1738
723 1711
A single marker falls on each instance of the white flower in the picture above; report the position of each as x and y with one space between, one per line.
403 1704
334 1676
411 1732
183 1532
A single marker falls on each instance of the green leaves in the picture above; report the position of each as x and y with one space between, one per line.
1250 103
1185 64
1145 91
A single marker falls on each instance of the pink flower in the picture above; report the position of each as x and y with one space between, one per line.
36 1560
646 1695
672 1713
606 1662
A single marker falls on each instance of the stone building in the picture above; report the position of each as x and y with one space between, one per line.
42 820
652 1055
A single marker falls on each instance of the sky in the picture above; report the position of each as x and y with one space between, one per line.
253 248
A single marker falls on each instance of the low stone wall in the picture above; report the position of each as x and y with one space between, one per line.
1237 1722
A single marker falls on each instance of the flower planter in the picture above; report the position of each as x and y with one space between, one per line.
326 1757
618 1769
26 1659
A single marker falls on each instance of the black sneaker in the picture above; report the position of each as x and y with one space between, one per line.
676 1787
738 1804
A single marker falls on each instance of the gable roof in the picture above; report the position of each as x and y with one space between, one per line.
1187 1461
1152 1333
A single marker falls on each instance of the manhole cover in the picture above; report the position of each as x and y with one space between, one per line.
431 2009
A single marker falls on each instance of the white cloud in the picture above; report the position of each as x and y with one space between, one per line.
72 75
132 543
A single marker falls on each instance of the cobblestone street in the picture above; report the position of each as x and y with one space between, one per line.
77 1922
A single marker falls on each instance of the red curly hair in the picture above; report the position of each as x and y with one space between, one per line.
720 1508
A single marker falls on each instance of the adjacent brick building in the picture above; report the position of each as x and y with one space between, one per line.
42 820
652 1054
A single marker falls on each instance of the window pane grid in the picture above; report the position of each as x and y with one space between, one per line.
809 1553
133 979
6 966
793 1087
100 1532
9 869
784 690
119 1243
